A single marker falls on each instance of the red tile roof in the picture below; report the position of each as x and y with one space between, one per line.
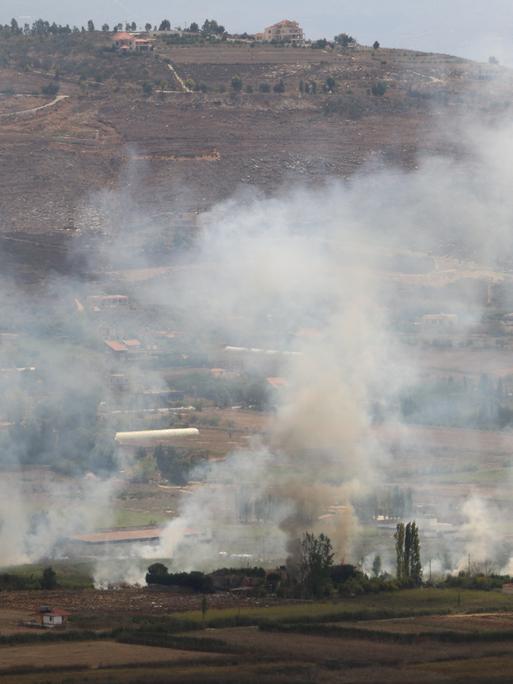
116 346
122 35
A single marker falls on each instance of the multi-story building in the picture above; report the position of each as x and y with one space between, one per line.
283 32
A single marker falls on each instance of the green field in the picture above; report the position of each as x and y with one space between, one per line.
70 575
400 603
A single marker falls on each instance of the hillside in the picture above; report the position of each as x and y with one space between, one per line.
173 150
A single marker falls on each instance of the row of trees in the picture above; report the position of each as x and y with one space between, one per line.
41 27
311 571
407 550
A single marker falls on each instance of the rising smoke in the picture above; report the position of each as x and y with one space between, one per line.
329 260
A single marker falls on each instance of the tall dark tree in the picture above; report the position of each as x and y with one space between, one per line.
90 25
165 25
407 550
399 551
49 579
415 562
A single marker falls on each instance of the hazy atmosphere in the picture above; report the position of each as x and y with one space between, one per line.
256 343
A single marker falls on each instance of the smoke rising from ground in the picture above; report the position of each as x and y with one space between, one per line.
325 273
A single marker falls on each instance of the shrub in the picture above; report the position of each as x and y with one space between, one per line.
51 89
264 87
379 88
237 83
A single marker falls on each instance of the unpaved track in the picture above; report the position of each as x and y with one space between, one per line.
179 79
33 110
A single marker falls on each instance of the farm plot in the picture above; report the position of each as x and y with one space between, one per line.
95 654
463 624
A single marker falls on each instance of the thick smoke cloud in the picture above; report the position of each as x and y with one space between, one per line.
337 261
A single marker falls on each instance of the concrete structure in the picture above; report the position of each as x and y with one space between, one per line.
52 617
284 31
433 326
145 534
152 438
103 302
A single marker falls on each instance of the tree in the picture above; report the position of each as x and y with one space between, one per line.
316 560
493 60
376 45
156 572
14 26
194 28
407 549
237 83
415 562
211 27
344 40
376 566
105 28
147 27
147 88
264 87
379 88
279 87
330 84
399 551
165 25
320 44
90 25
133 26
49 578
51 89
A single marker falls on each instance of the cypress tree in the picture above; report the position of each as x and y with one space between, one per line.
399 551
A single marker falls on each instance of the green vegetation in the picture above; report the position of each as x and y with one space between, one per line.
344 40
196 581
316 561
407 551
404 603
68 575
49 578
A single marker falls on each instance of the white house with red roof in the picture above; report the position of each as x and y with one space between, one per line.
122 41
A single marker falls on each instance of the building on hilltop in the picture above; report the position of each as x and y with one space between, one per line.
122 41
284 31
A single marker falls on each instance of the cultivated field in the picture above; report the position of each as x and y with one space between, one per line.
287 643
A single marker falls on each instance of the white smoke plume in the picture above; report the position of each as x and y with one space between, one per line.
261 270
